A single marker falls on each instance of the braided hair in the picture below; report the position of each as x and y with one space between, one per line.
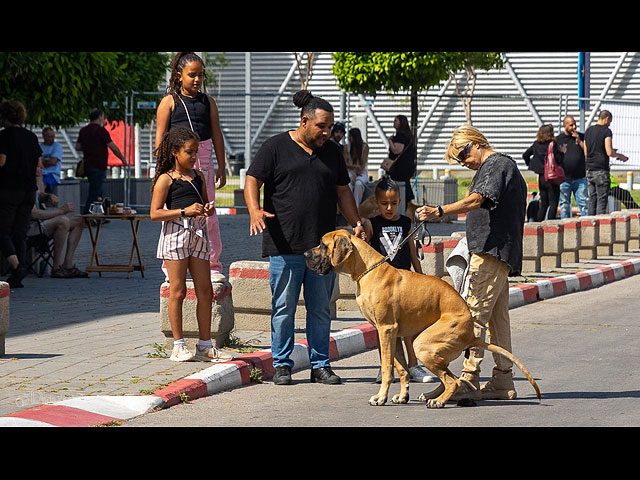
309 104
179 61
171 142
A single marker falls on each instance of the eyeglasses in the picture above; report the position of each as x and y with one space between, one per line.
462 154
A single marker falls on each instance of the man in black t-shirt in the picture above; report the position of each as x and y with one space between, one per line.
574 169
597 150
304 177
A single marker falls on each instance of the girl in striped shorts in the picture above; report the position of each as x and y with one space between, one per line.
180 201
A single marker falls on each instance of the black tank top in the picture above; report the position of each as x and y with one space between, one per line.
182 194
199 110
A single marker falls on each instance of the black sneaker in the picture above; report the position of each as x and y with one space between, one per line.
324 375
282 376
15 278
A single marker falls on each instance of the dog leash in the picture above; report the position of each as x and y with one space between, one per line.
396 250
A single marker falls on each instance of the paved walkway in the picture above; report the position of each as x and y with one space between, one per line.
71 338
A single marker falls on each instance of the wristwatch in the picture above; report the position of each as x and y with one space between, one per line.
358 224
182 213
440 212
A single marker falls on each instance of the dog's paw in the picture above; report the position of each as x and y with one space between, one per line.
377 400
399 398
434 403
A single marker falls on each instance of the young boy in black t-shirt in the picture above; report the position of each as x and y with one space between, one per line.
386 231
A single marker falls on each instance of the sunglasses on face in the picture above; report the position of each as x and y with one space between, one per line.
462 154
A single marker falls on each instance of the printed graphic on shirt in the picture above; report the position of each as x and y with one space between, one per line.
390 238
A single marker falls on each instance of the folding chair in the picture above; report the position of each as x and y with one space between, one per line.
39 249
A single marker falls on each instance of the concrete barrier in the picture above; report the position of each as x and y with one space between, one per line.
622 226
589 238
5 293
433 261
634 229
607 234
222 315
252 296
532 243
552 244
571 239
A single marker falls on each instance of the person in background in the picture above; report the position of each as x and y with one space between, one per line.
534 159
574 169
305 178
95 142
51 160
338 132
20 157
402 149
356 156
186 105
598 148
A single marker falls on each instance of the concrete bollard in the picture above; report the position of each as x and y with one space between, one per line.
448 244
433 260
607 232
622 226
572 240
552 244
252 296
346 300
589 238
5 292
222 315
531 247
634 229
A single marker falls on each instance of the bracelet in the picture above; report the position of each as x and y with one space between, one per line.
182 213
440 212
358 224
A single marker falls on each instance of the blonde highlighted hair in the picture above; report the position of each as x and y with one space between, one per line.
462 136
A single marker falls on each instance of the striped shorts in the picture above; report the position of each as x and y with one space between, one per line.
177 242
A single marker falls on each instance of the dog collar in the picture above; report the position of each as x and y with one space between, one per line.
357 279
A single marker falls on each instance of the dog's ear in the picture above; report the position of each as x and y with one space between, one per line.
342 248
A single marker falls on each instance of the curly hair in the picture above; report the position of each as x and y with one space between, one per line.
179 61
171 142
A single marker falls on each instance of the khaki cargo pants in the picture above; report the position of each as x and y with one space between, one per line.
488 300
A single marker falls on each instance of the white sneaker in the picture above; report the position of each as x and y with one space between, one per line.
419 374
181 353
212 354
218 277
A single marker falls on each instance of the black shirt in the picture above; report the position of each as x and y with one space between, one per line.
597 158
573 160
23 150
404 165
387 235
184 193
497 226
199 110
300 190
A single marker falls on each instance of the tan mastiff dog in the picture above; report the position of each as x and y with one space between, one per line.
402 303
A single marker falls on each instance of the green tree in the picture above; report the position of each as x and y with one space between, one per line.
61 88
412 72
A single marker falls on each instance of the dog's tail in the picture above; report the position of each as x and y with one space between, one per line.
501 351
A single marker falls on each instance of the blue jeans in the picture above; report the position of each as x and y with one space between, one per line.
577 186
287 274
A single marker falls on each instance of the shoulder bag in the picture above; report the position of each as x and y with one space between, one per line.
553 173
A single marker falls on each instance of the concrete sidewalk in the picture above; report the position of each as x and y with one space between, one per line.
82 352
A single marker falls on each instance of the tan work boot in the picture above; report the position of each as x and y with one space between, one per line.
470 388
499 387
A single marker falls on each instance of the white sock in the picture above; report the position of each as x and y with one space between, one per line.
204 344
179 342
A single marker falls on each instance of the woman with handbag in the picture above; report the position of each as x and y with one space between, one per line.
401 163
534 158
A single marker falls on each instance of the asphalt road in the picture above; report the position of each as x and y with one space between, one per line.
581 349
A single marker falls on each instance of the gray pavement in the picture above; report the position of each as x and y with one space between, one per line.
101 336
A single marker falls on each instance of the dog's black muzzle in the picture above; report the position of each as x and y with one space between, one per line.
318 260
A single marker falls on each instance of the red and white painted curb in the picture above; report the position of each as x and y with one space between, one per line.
104 410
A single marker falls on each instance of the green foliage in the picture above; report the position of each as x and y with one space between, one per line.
371 72
61 88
